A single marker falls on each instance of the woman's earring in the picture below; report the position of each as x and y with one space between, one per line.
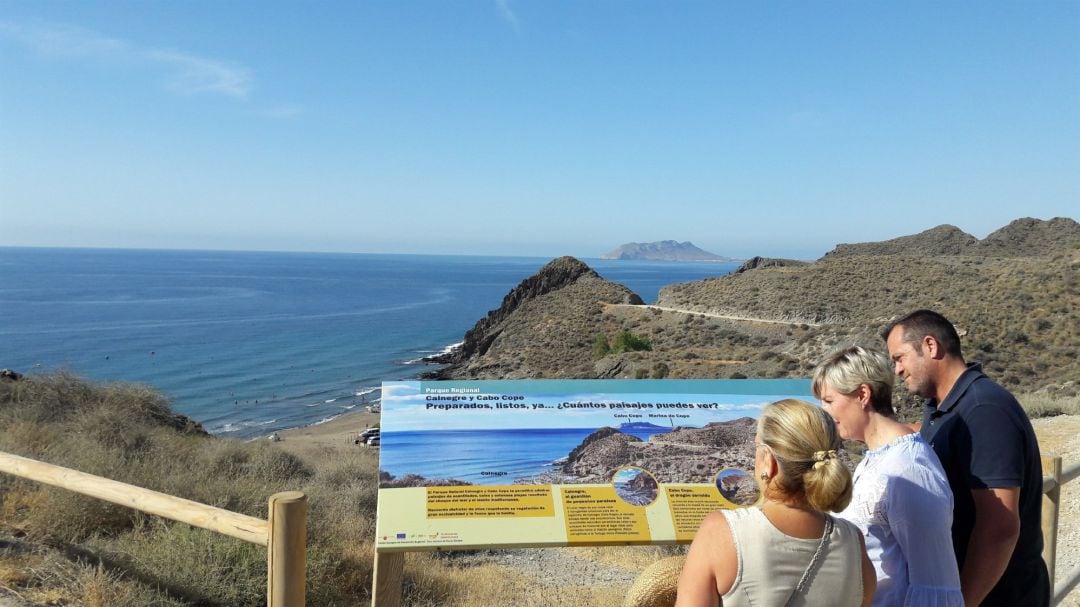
764 476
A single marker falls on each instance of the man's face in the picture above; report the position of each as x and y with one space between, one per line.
911 364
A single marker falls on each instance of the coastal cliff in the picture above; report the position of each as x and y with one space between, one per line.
682 455
544 327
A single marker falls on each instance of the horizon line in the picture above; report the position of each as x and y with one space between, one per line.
599 257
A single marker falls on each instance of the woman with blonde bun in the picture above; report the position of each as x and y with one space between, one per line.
787 550
901 500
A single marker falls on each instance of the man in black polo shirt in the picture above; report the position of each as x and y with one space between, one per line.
991 457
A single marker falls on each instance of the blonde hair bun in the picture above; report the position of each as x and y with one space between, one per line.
804 441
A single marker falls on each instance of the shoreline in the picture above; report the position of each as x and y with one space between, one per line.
319 443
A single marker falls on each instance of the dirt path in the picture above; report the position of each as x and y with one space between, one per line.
712 315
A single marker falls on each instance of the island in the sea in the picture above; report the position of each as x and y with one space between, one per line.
664 250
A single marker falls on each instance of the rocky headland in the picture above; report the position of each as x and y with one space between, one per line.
683 455
544 327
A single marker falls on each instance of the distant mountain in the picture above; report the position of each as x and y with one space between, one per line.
664 250
640 426
1027 236
1024 237
942 240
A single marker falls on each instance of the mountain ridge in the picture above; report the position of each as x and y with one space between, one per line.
1022 237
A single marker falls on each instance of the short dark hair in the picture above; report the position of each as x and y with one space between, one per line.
919 324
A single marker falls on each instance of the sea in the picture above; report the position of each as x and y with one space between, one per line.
485 457
248 343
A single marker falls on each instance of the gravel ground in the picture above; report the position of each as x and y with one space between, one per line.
558 567
1061 436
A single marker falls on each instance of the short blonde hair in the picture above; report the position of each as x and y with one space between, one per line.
804 441
847 369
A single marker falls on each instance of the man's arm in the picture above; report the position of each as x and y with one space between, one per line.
997 527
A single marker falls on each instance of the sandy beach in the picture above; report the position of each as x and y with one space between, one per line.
321 442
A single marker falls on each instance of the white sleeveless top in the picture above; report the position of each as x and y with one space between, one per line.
771 564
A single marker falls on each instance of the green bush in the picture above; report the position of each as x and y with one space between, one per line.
626 341
600 347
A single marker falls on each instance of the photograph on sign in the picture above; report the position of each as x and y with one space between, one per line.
567 462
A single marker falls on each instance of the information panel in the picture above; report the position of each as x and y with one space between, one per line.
480 464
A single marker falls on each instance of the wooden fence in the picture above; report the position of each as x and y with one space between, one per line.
284 534
1053 479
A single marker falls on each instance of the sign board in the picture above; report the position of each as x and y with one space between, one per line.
481 464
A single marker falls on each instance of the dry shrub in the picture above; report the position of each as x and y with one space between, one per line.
127 433
27 438
67 517
1046 405
99 587
193 564
17 570
57 581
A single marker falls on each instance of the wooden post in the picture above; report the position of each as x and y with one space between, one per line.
286 554
1051 500
386 586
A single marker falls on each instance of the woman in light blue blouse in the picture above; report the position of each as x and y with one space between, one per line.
901 499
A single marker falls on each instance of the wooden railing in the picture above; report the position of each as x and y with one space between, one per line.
1053 479
284 534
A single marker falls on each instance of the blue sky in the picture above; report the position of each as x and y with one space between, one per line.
532 128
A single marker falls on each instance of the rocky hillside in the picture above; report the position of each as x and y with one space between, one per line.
1029 237
1025 237
942 240
1015 297
544 328
664 250
683 455
767 262
1018 310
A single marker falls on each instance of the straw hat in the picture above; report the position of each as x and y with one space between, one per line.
657 585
